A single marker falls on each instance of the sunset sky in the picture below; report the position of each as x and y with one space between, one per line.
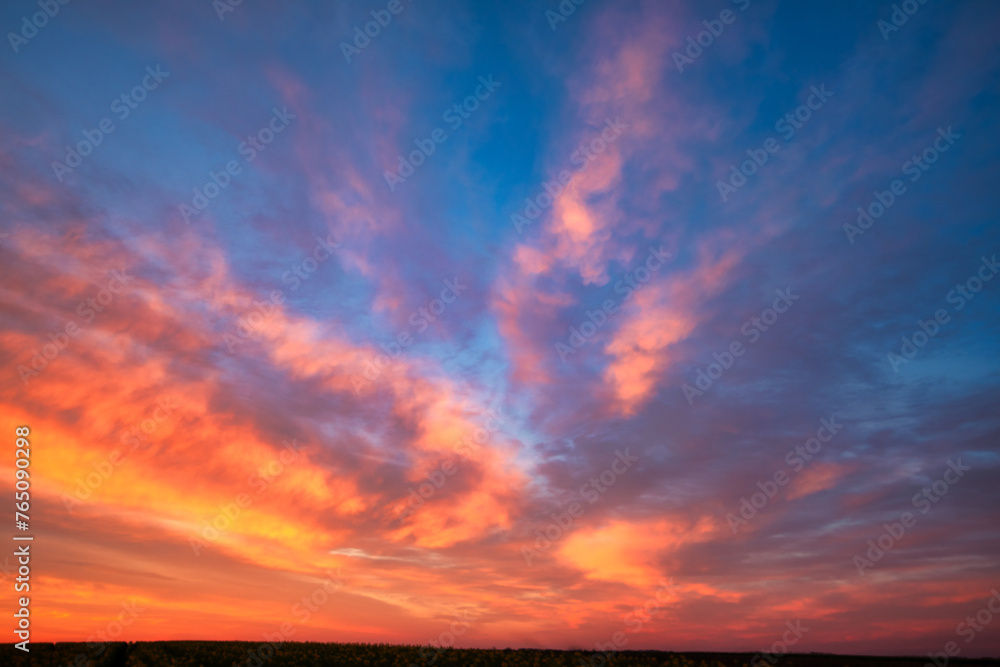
510 314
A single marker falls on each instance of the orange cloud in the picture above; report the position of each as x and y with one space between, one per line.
628 552
818 477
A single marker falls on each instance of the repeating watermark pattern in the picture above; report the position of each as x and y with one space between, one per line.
97 643
420 319
362 38
924 501
249 149
713 30
455 116
901 13
301 271
596 319
929 328
914 168
566 8
122 107
789 638
223 7
140 431
230 512
253 320
7 569
969 628
464 448
302 611
797 458
581 158
31 26
634 622
591 491
787 125
444 641
134 438
753 329
88 309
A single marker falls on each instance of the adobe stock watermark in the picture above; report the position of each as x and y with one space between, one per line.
30 27
88 310
797 458
752 329
362 38
229 513
136 436
254 318
566 8
924 500
436 479
249 149
634 622
223 7
789 638
787 125
596 319
420 319
901 13
713 30
959 296
109 633
969 628
591 491
302 611
581 158
7 569
914 168
454 115
122 106
445 640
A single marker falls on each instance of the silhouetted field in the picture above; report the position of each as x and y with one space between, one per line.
312 654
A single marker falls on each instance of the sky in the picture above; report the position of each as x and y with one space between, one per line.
506 324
